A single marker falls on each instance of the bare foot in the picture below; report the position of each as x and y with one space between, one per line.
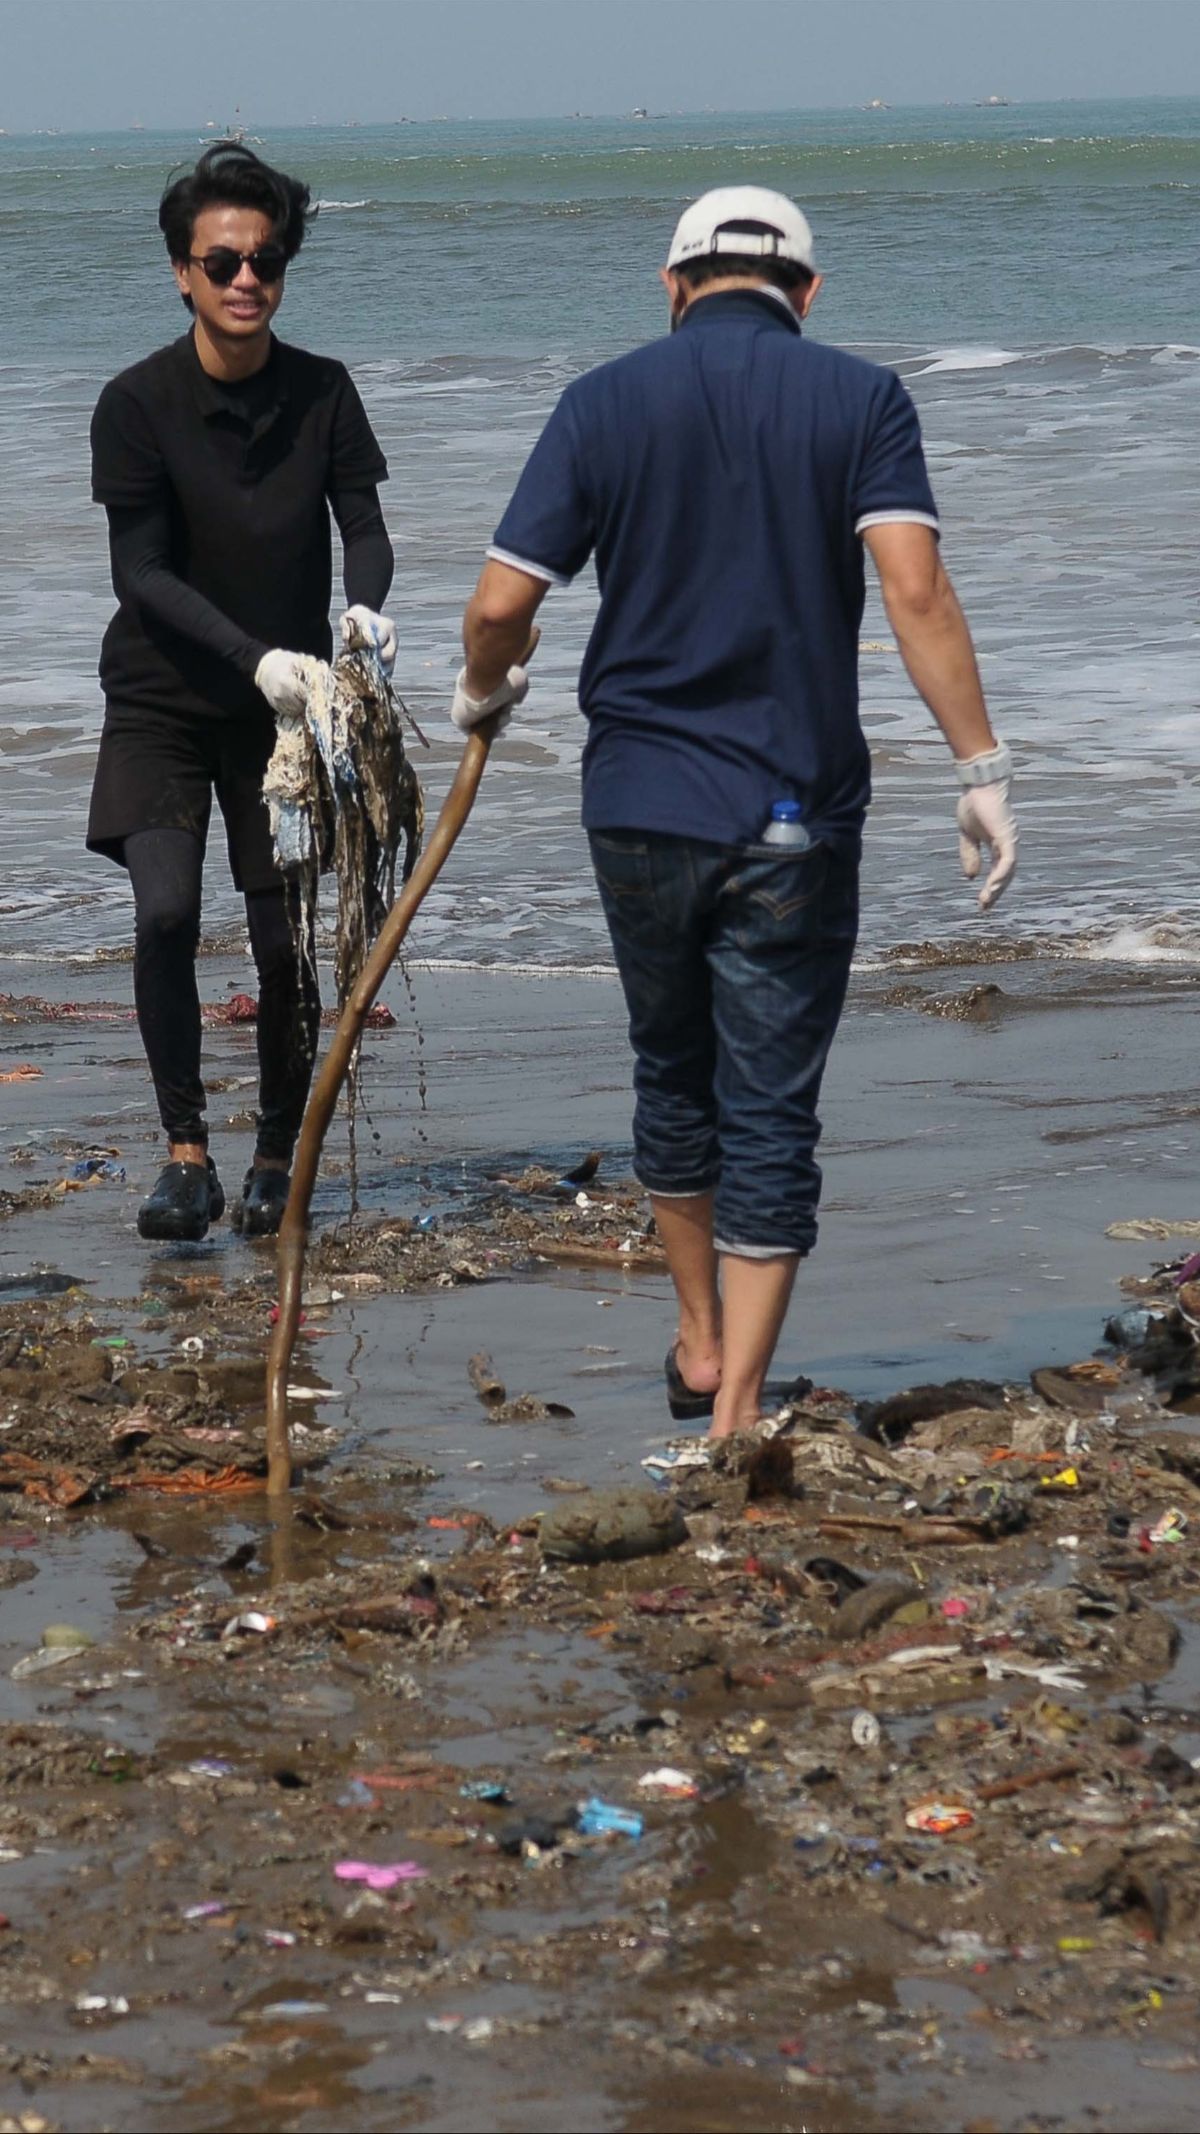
722 1428
698 1366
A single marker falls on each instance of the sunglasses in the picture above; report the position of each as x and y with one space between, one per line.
222 265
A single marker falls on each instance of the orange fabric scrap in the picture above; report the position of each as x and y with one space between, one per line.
44 1483
1006 1452
220 1481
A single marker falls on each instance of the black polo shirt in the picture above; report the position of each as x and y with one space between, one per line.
231 486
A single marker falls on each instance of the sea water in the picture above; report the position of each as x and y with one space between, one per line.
1029 271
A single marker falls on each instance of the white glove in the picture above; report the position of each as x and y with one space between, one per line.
378 630
467 712
283 679
985 817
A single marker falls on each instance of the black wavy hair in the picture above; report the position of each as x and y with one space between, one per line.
230 175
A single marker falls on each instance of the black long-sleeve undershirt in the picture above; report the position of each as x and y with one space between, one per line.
140 542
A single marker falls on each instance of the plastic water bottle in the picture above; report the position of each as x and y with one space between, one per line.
785 826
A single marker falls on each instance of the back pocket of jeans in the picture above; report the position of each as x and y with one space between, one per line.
622 863
780 881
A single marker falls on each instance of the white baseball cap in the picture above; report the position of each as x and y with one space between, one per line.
703 229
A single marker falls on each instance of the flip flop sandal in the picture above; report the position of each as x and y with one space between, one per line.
685 1404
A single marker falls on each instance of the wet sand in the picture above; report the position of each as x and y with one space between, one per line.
977 1145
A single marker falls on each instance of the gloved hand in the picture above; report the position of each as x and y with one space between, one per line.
283 679
379 630
467 711
985 817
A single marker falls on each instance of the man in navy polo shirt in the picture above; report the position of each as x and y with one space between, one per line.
726 480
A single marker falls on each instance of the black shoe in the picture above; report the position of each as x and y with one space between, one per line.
259 1212
685 1404
186 1199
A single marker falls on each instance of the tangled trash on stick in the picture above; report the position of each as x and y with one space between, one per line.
343 795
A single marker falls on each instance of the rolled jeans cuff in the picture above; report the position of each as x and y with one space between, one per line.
675 1191
761 1252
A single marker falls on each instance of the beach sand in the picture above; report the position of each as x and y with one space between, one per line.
977 1145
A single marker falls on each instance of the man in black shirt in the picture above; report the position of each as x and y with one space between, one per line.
218 460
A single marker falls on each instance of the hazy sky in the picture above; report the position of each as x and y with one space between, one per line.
108 63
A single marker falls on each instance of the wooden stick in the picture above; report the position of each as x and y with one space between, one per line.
293 1231
935 1533
1049 1775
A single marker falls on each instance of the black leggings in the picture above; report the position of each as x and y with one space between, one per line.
165 868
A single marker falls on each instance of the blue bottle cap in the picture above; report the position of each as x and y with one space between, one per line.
786 811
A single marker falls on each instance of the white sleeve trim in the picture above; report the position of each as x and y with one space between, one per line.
531 570
896 517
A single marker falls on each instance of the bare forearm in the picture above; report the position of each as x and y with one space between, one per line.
936 647
492 644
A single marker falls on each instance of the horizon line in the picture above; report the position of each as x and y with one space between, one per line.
638 114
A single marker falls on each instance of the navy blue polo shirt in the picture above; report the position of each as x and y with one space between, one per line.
723 476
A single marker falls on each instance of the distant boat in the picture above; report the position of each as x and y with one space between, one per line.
640 112
235 132
877 104
993 103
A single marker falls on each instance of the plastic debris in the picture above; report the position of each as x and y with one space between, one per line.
252 1622
287 2011
677 1459
999 1664
532 1835
102 2004
46 1658
1128 1329
473 2030
490 1790
597 1818
340 786
42 1282
865 1730
385 1876
939 1818
1170 1528
66 1637
671 1784
1147 1228
356 1793
1066 1478
90 1167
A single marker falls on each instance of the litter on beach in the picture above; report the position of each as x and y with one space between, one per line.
341 793
385 1876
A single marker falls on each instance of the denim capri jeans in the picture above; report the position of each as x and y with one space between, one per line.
734 962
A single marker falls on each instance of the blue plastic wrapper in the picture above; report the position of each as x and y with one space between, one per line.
597 1816
1127 1329
356 1794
